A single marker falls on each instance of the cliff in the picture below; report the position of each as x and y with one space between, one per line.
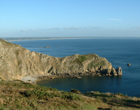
17 62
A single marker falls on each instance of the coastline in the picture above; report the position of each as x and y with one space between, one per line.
35 79
53 38
61 38
75 78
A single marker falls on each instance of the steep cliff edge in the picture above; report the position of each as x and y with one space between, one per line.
17 62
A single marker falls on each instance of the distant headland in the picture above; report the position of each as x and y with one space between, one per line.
55 38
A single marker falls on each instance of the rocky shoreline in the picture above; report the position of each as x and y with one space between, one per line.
117 72
35 79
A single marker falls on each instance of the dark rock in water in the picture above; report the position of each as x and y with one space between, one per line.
119 71
128 64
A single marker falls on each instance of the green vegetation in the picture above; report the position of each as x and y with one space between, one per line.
18 95
99 64
90 65
95 64
82 58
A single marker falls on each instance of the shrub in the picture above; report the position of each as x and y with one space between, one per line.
75 91
70 96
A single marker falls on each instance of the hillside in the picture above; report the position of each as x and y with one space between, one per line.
18 95
17 62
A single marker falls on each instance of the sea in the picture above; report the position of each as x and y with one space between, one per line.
119 52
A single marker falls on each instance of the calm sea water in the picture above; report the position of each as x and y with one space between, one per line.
118 51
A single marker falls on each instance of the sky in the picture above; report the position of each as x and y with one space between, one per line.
69 18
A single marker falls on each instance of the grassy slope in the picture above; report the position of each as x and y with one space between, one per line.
20 95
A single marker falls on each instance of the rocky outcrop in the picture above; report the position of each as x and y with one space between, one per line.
17 62
119 71
114 73
128 64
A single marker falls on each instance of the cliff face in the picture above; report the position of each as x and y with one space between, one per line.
17 62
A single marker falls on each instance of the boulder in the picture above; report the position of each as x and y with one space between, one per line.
119 71
128 64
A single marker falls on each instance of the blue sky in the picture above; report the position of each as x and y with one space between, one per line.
69 18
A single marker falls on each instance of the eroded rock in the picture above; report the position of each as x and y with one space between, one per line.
113 72
119 71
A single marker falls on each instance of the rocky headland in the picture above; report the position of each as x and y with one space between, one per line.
19 63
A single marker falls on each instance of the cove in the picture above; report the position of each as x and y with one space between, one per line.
86 84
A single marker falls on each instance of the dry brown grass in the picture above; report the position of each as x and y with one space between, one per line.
19 95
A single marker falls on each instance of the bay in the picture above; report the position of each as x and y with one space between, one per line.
117 51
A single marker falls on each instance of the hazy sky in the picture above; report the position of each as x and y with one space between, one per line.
62 18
